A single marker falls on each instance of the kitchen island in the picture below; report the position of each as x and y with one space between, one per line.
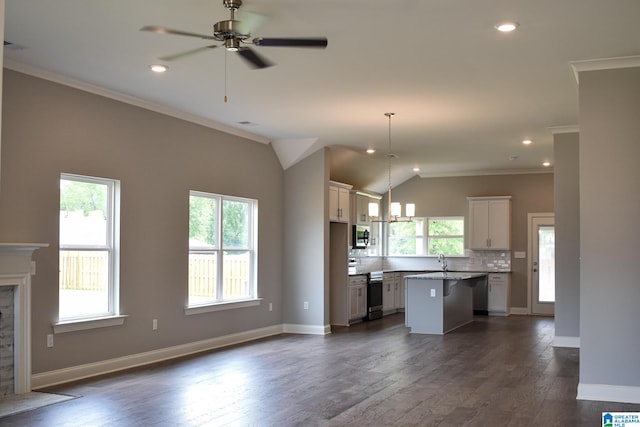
437 303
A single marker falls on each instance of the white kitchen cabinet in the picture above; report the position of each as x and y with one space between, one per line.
362 201
400 290
339 201
357 297
490 223
499 294
392 294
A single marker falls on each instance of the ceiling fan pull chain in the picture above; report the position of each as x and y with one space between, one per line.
225 76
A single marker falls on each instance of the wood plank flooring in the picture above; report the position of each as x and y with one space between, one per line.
496 371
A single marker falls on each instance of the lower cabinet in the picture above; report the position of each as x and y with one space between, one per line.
499 294
357 297
392 292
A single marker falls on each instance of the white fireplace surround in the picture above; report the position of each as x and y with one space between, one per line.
16 270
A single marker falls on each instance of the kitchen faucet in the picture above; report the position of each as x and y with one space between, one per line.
443 259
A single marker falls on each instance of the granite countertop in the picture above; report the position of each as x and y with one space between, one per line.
449 275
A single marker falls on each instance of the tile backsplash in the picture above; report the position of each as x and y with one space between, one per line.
498 261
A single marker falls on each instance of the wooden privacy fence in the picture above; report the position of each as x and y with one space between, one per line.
88 271
202 276
83 270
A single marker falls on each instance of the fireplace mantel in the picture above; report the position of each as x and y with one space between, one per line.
16 270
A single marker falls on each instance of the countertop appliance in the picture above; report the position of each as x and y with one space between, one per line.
374 295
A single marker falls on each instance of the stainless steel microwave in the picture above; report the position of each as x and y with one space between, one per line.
361 236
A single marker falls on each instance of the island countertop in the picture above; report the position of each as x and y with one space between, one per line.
447 275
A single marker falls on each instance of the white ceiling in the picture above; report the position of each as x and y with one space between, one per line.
465 95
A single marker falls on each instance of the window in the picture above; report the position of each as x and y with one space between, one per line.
427 237
222 255
88 247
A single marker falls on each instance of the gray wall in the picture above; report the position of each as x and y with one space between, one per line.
48 129
609 238
306 246
567 224
448 196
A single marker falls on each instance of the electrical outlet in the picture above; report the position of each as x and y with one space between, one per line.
306 305
270 306
433 292
50 340
155 324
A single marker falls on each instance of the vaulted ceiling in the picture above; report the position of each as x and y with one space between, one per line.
464 94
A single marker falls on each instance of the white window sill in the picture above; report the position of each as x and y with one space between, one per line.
219 306
85 324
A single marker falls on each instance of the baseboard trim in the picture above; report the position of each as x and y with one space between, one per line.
74 373
571 342
609 393
306 329
520 311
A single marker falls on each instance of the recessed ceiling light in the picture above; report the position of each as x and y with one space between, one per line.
158 68
416 169
507 27
527 141
370 150
546 164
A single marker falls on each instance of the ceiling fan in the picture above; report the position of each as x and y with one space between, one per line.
234 35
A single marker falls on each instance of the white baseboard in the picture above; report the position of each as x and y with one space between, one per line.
75 373
609 393
571 342
306 329
521 311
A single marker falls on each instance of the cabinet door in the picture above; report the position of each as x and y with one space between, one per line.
362 301
362 209
339 200
353 301
498 298
334 204
399 282
388 295
499 225
478 224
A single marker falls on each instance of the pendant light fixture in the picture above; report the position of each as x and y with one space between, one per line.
394 209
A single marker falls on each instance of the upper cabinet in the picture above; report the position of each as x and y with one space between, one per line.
339 200
361 211
490 223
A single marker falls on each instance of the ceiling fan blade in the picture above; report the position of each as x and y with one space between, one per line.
316 42
164 30
255 60
249 22
186 53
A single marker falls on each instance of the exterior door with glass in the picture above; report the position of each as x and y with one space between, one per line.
542 264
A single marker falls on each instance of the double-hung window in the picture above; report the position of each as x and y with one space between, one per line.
88 278
222 249
426 237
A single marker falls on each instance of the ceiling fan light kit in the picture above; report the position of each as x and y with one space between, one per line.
234 35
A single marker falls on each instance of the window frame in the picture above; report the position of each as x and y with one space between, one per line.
426 237
218 249
111 246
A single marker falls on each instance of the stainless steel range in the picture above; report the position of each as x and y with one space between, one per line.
374 295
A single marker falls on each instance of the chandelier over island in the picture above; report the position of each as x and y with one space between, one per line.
394 209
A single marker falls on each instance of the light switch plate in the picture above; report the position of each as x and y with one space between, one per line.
433 292
519 254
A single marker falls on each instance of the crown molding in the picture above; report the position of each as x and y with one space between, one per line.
604 64
488 173
564 129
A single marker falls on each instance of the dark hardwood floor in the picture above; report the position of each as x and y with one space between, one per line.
495 372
